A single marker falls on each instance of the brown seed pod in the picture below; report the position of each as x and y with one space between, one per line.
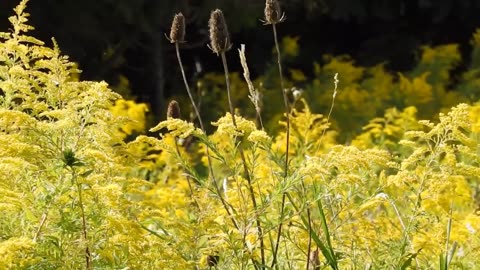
273 13
219 36
177 32
173 110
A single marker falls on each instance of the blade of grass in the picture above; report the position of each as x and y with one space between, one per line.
326 251
326 232
448 256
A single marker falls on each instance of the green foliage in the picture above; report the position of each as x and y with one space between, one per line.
365 92
58 134
78 192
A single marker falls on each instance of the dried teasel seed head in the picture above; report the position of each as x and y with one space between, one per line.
173 110
219 36
273 13
177 32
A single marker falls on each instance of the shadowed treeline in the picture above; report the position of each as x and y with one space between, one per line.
123 41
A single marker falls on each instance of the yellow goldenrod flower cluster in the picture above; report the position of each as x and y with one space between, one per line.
76 194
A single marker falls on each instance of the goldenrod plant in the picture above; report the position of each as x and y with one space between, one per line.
67 187
81 188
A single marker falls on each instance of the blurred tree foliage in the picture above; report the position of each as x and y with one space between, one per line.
122 41
440 79
118 39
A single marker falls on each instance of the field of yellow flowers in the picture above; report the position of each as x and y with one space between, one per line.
288 189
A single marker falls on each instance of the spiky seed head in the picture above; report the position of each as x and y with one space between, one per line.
219 36
273 13
173 110
177 32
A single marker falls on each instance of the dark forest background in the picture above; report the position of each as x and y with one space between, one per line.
123 41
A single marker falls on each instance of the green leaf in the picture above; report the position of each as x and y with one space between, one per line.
86 174
409 258
443 262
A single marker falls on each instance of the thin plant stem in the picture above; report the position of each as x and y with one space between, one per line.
285 99
287 146
336 81
210 164
197 113
444 265
309 249
84 222
192 195
45 215
244 161
406 238
417 203
259 120
42 222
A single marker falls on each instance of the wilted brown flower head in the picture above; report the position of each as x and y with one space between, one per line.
173 110
273 13
177 32
219 36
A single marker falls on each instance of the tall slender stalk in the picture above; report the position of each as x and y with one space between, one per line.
274 15
244 161
335 81
84 222
287 146
447 258
309 249
209 158
220 43
42 222
45 215
192 195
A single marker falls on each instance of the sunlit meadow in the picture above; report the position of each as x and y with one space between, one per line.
288 180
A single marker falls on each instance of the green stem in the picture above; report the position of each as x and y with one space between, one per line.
197 113
244 161
84 221
42 222
192 196
287 110
309 249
